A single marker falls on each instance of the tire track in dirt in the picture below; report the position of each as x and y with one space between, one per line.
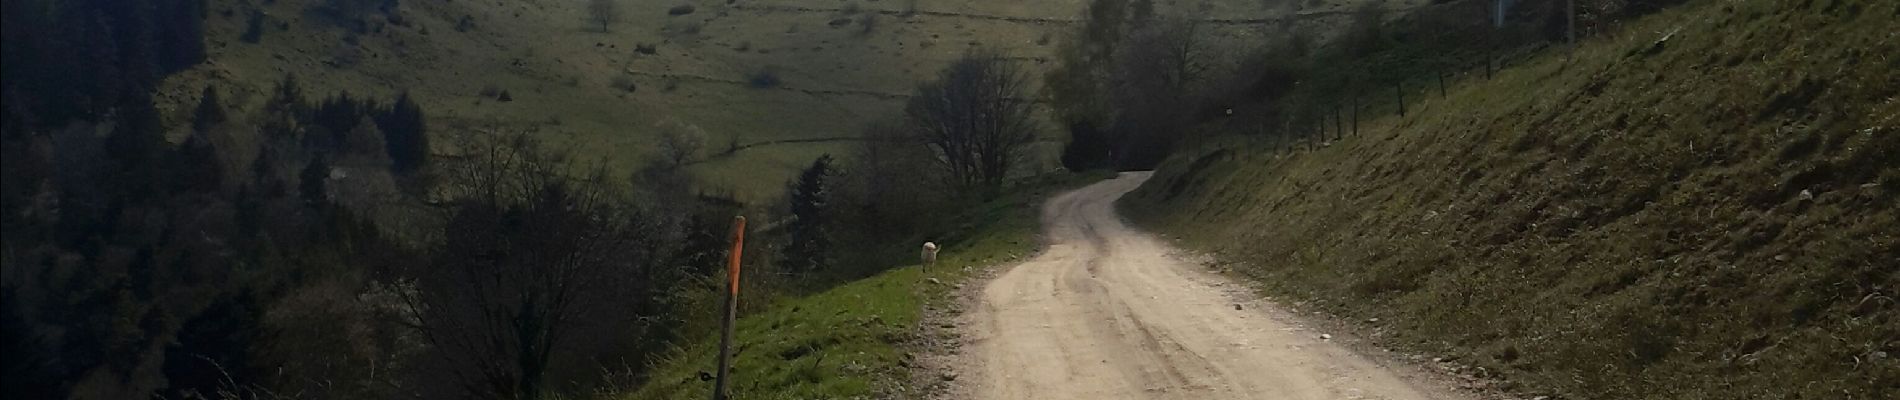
1109 312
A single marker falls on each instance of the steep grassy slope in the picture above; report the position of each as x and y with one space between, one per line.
1701 206
851 341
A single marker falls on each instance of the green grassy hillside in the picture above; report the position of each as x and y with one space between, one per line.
839 65
1701 205
570 81
856 340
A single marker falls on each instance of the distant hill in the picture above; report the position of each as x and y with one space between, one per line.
746 72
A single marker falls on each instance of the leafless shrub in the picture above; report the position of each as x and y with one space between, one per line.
682 31
539 275
972 117
680 142
732 144
889 182
1159 72
764 78
624 83
867 23
603 13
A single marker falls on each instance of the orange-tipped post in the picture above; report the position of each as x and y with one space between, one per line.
732 308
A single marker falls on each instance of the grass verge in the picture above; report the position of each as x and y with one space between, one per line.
848 342
1699 206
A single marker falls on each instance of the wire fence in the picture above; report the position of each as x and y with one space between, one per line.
1312 127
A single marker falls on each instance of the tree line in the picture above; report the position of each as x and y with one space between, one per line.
1131 83
310 246
334 259
1127 81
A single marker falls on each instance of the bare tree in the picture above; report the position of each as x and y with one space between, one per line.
680 142
884 169
602 12
1158 74
972 116
888 188
538 277
1076 87
1139 75
1165 56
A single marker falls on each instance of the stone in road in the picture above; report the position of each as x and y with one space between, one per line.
1108 312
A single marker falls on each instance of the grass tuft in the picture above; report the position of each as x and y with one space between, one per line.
1706 219
850 341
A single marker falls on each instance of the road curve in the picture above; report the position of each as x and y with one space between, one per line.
1108 312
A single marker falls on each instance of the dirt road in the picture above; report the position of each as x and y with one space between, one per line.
1108 312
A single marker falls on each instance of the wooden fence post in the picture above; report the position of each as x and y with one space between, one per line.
1299 139
1314 136
1285 141
1570 23
1273 141
1286 130
1400 89
1487 62
1355 114
732 308
1339 127
1319 127
1441 84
